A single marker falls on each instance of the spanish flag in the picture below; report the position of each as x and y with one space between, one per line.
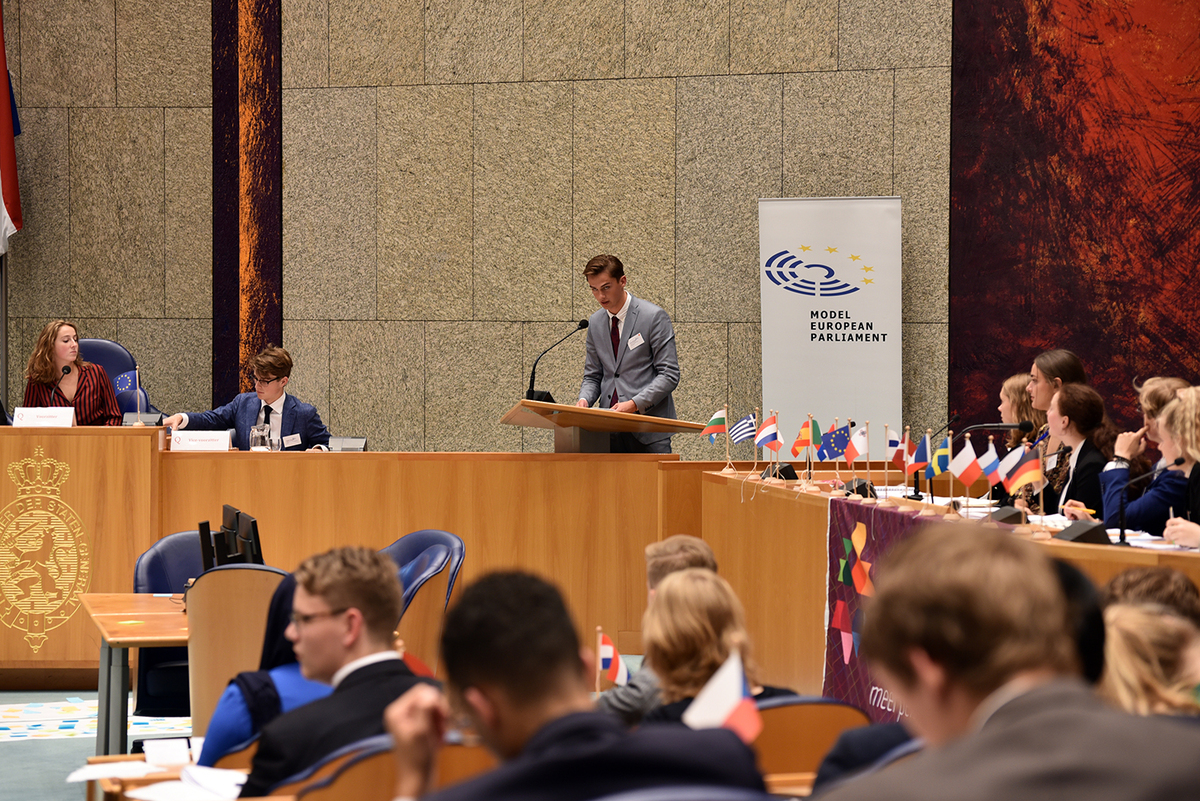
805 437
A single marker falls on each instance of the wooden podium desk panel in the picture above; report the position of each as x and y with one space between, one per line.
77 507
581 520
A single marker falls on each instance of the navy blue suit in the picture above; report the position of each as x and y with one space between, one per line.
242 413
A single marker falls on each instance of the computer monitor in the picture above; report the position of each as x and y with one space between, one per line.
248 546
207 556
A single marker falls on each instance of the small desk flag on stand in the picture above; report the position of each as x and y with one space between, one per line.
725 702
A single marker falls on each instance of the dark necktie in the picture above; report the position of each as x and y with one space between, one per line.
266 415
615 334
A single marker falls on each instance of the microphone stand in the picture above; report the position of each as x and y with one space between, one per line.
916 494
531 394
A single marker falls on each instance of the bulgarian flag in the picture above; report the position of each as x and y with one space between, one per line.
10 209
726 702
805 438
716 425
612 666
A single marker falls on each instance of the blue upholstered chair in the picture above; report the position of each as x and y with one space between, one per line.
406 550
329 767
118 363
162 677
427 559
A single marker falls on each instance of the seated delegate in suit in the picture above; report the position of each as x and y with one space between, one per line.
1167 490
631 364
346 607
297 424
516 667
1076 417
1052 370
255 698
692 625
1182 420
58 376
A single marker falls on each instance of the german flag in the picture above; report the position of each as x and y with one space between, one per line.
1026 471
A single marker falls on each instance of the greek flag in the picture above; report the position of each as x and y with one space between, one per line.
743 429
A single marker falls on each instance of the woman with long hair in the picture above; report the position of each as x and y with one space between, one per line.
1076 418
58 376
1151 660
1051 371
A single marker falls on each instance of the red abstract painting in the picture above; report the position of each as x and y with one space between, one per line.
1075 194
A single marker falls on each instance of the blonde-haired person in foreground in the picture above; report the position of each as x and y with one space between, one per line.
969 631
693 624
1182 419
640 694
1151 660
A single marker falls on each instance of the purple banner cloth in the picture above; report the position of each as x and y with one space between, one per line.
858 537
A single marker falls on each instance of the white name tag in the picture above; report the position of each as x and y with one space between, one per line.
44 417
200 441
291 440
635 340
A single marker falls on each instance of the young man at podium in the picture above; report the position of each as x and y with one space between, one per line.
631 365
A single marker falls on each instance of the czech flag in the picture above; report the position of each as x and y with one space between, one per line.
1027 471
965 466
716 425
805 438
920 457
726 702
768 435
940 461
858 445
612 666
990 464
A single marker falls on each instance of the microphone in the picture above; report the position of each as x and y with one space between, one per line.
531 394
66 371
954 418
1025 426
1153 474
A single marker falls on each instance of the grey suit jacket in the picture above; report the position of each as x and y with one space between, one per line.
1057 742
645 374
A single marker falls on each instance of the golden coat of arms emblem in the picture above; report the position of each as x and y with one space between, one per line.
45 561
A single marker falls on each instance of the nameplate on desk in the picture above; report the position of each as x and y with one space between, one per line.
44 417
200 441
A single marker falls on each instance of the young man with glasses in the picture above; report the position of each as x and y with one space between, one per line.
347 604
295 424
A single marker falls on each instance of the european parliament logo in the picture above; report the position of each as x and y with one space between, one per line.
788 271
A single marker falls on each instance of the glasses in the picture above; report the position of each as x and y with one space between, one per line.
262 381
301 619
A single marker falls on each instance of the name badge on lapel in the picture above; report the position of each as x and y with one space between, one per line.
635 341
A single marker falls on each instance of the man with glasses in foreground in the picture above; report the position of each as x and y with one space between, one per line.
294 423
347 604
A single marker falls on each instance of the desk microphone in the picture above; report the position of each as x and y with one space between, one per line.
1153 474
1024 427
532 394
66 371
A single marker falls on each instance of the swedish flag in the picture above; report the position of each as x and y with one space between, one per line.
939 462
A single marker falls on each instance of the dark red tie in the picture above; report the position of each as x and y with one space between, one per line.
615 334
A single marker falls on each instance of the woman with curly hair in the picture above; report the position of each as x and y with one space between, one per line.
58 376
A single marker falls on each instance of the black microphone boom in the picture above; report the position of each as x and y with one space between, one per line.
1025 426
532 394
66 371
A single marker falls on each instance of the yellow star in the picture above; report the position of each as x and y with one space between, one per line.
831 250
868 280
855 258
805 247
868 269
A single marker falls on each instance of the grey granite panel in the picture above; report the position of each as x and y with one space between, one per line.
926 371
783 36
329 182
305 43
923 183
728 156
376 42
164 53
23 334
559 373
175 361
12 43
624 187
703 384
68 53
745 377
117 201
307 341
377 384
425 203
676 37
39 259
189 212
523 201
837 134
574 39
470 383
472 41
881 34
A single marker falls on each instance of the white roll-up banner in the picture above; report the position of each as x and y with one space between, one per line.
831 341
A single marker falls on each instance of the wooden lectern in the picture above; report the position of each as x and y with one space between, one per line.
579 430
